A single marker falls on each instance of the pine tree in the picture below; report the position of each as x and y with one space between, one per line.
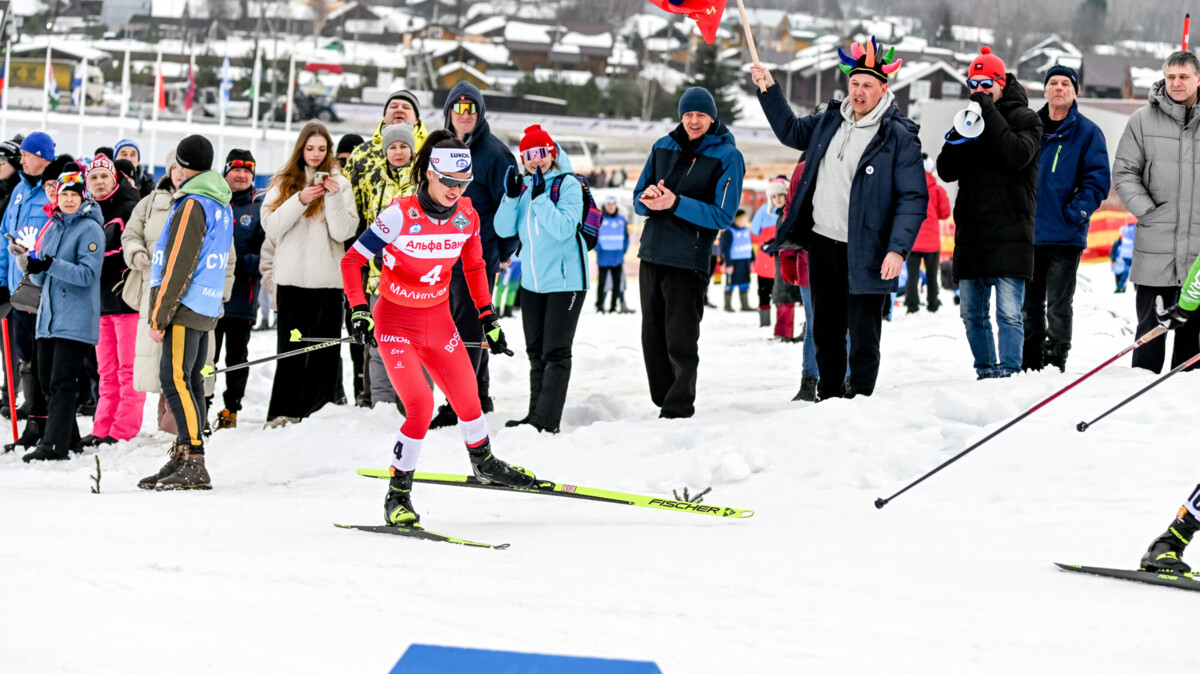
718 77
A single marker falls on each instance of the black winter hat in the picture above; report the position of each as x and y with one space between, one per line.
235 154
348 143
124 167
406 95
63 163
1065 71
194 153
106 151
10 151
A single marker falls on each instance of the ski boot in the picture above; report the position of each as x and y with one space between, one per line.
489 469
1164 553
190 472
397 507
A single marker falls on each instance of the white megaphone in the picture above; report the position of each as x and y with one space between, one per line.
969 123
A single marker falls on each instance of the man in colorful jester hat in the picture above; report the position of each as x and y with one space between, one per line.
856 211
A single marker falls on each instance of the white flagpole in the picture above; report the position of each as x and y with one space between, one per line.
83 80
4 93
191 79
154 116
124 91
291 92
255 84
222 93
46 87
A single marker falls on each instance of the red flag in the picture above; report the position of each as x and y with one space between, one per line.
162 91
706 14
190 97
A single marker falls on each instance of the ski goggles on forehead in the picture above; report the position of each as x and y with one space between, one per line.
980 84
242 164
465 107
451 182
534 153
70 179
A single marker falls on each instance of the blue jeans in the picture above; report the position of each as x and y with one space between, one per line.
810 343
975 299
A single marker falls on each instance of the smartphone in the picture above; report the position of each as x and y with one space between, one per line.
320 176
10 237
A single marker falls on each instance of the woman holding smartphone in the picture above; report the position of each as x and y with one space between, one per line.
307 214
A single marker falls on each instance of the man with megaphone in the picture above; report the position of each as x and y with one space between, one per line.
992 153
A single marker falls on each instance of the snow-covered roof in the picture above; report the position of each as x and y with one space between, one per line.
459 65
570 49
1144 78
485 51
644 25
973 34
485 26
597 40
622 56
665 75
535 33
766 18
573 77
73 48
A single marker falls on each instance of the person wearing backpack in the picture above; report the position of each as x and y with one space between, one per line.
544 207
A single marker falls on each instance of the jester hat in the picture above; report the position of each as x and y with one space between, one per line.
867 58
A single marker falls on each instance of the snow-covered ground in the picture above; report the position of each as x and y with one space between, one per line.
955 575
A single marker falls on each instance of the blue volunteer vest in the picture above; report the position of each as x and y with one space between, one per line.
1127 234
612 233
742 247
205 295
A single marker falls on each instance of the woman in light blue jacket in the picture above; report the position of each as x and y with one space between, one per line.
544 207
66 263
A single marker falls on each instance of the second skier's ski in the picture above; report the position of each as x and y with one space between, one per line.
1186 581
417 532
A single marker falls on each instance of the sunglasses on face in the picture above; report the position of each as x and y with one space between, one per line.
980 84
465 108
242 163
451 182
534 153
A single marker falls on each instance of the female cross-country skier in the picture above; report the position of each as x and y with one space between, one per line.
421 238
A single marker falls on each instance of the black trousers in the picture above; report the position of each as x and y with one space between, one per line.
234 334
549 320
765 286
611 278
305 383
672 308
466 319
912 289
59 365
1150 356
180 374
835 310
1048 314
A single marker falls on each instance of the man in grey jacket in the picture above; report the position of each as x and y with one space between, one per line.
1155 175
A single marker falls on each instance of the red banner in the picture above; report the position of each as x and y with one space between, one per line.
706 14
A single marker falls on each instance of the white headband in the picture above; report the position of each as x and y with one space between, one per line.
450 160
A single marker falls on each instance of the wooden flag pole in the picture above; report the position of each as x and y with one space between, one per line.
746 30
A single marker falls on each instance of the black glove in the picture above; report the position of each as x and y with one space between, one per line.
984 100
362 326
492 332
512 182
39 265
1171 318
539 184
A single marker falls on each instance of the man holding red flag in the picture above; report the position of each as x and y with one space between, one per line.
706 14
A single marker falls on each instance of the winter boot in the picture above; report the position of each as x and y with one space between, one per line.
729 301
489 469
93 441
26 385
600 307
622 308
226 419
168 469
46 453
744 298
30 436
1055 356
397 507
189 472
445 417
1165 552
764 317
808 389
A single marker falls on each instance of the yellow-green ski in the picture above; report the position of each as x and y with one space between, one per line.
416 531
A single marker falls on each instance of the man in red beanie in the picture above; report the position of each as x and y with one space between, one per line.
997 174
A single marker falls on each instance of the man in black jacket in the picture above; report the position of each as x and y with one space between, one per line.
689 190
490 159
997 174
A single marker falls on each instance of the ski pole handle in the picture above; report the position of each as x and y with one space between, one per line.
208 371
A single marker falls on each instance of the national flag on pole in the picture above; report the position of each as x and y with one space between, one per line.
77 85
226 85
52 86
162 91
190 97
706 14
3 76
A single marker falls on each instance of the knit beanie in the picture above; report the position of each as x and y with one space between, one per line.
70 182
102 163
124 167
106 151
235 154
777 186
348 143
536 137
399 132
126 142
987 66
194 153
697 99
63 163
39 144
1065 71
404 95
10 151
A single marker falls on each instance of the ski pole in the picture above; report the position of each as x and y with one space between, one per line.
208 371
469 345
1084 425
12 391
880 502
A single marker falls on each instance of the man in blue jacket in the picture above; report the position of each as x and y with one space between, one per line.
689 190
856 211
490 159
1073 179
